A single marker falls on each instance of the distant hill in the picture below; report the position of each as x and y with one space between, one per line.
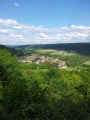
83 48
12 50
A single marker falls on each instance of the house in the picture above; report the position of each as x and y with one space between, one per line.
41 59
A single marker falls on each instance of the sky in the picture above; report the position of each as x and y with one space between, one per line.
44 21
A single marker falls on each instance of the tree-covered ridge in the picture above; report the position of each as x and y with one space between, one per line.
11 50
29 93
82 48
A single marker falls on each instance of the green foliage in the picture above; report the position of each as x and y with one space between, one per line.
13 88
42 92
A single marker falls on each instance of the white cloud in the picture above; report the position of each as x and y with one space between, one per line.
43 36
5 30
16 36
16 4
8 22
79 27
13 32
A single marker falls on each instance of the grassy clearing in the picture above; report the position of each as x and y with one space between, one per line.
87 62
56 52
44 51
62 53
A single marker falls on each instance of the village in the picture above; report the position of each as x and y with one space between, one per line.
34 58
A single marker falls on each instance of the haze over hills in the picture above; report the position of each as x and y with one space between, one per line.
83 48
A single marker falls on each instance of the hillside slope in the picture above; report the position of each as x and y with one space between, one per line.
12 50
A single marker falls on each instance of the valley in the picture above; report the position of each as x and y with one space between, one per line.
44 84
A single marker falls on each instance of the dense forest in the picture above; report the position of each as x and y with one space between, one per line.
30 91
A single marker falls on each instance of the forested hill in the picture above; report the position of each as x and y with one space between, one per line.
11 50
83 48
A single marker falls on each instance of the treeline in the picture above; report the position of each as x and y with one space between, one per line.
47 94
82 48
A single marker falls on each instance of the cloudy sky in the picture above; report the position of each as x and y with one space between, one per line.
44 21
